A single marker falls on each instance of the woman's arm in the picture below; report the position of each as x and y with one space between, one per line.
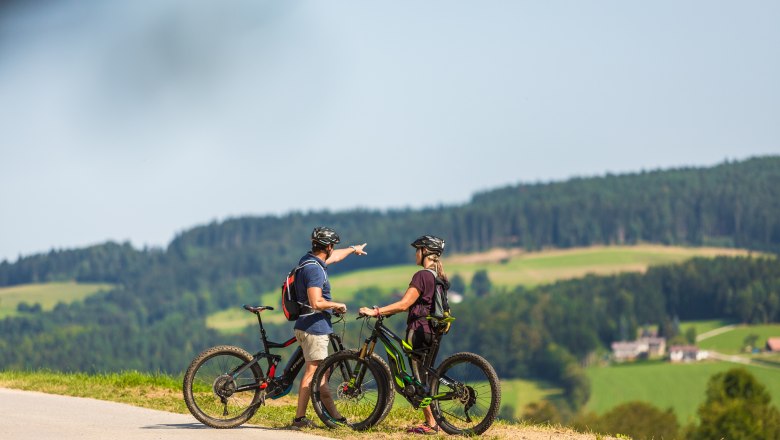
340 254
404 303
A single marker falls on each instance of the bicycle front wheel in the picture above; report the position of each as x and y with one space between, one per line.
347 386
467 394
212 389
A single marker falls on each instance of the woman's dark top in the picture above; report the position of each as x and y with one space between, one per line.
425 283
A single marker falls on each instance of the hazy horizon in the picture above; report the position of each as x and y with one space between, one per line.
134 121
381 209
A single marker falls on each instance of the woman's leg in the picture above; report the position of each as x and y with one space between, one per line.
419 339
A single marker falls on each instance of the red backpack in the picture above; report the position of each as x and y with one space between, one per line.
290 305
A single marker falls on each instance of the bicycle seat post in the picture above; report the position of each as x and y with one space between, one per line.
263 337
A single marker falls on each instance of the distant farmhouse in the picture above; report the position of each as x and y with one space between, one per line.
642 348
686 353
773 344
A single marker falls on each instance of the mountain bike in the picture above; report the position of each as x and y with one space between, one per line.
463 392
225 385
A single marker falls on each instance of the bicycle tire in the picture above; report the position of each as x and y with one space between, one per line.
207 376
363 407
453 415
390 399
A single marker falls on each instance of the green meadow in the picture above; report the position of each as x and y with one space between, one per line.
679 386
702 327
534 268
46 294
520 392
732 341
506 269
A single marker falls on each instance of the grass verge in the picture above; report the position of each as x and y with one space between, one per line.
162 392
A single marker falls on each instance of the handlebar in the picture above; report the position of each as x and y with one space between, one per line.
361 316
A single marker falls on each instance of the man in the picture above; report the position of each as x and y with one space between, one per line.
313 325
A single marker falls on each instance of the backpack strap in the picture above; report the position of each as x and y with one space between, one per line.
305 304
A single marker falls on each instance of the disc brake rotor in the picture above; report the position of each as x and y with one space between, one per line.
347 392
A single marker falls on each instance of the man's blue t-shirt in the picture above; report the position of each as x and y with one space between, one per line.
313 275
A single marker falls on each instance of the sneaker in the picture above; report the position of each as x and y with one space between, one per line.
339 421
423 428
302 422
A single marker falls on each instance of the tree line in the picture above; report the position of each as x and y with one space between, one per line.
731 204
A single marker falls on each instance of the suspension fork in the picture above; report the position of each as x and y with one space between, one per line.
335 342
365 354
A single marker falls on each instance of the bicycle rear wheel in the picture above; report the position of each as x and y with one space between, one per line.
467 394
358 389
210 387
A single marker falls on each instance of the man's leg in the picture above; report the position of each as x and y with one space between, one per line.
327 398
304 393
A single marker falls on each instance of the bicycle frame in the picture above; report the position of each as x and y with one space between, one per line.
397 349
280 385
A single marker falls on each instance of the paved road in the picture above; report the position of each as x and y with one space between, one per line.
32 415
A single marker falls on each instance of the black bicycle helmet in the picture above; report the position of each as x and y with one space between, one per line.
434 245
324 236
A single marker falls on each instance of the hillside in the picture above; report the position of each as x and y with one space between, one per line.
506 268
47 295
155 318
733 204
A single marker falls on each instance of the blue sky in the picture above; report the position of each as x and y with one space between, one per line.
137 120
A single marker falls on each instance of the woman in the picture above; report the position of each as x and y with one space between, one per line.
418 299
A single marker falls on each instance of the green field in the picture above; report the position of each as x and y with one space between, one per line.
534 268
702 327
679 386
520 392
46 294
506 269
732 341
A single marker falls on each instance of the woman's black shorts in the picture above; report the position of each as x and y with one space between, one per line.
419 339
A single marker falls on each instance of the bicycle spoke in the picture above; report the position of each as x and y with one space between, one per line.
340 394
214 389
468 399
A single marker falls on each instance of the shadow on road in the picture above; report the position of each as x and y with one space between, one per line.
178 426
202 426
